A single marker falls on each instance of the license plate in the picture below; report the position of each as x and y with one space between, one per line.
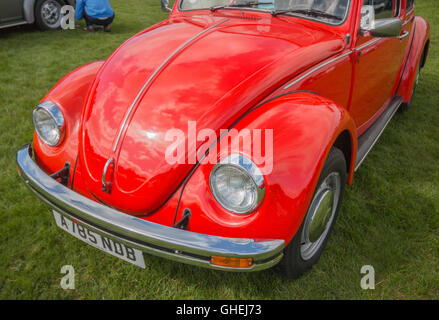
103 243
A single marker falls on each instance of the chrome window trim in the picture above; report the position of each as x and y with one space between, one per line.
412 17
160 67
348 10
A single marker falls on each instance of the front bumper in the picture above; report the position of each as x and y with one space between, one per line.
172 243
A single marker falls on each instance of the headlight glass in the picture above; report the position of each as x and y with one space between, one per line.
49 123
237 184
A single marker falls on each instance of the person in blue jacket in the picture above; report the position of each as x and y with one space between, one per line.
95 12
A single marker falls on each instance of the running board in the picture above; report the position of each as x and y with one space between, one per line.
368 139
13 23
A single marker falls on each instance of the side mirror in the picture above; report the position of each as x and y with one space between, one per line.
386 28
383 28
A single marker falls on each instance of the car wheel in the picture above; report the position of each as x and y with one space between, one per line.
305 248
404 106
48 14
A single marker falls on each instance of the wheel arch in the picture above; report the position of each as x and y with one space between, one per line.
418 50
345 142
69 95
425 53
305 128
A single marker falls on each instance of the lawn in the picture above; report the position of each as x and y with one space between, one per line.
389 218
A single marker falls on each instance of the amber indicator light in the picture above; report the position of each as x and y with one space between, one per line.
231 262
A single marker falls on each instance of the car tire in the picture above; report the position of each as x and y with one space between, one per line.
404 106
305 248
48 14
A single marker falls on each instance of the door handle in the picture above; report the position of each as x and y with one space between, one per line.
405 34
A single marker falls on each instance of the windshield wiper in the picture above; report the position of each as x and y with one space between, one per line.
237 5
311 12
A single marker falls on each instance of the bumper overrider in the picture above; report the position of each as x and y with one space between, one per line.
168 242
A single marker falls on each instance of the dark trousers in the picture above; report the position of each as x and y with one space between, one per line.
90 21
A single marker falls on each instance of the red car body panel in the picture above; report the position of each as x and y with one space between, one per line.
143 179
69 93
291 184
246 70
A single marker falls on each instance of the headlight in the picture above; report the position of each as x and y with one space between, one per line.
237 184
49 123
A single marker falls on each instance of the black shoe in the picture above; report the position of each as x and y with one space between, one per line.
90 29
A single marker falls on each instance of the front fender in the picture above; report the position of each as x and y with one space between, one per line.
419 42
29 10
304 127
69 95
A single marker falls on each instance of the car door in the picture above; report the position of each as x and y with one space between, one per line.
11 10
377 65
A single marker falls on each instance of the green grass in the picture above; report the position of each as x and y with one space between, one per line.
389 217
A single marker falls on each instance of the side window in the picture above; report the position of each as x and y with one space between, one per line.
410 4
384 8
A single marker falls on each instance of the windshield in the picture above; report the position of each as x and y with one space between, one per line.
329 11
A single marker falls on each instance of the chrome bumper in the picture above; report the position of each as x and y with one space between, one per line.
172 243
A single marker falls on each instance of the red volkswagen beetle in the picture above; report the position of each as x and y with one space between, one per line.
224 136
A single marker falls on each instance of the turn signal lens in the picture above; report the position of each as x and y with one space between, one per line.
231 262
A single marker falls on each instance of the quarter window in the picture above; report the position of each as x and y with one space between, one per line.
384 8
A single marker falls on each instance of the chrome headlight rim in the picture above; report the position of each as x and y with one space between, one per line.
56 114
249 168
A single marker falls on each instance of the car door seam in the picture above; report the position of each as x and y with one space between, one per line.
406 61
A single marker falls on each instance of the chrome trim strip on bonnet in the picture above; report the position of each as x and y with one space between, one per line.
153 76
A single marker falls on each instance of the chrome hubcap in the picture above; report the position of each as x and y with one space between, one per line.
320 215
51 12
